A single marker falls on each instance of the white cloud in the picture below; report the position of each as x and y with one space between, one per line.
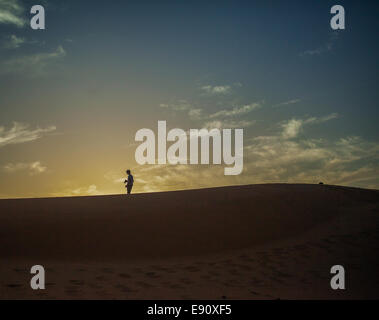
180 105
34 64
236 111
20 133
195 114
115 177
227 124
91 190
293 127
345 161
349 161
14 42
33 167
322 49
327 118
293 101
184 106
214 90
11 12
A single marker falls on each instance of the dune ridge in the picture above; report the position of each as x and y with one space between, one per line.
277 227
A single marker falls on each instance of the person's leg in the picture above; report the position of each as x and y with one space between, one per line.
129 189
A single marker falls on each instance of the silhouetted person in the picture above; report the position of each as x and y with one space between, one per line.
129 182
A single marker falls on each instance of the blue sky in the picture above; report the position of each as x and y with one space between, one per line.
305 95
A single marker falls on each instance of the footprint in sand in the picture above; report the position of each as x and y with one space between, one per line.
94 286
77 282
226 261
171 270
72 291
14 285
244 267
276 279
158 268
230 284
144 284
186 281
234 272
301 247
191 268
254 293
171 285
124 288
283 274
107 270
152 275
176 286
256 283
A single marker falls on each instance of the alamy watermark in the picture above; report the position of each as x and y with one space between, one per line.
37 281
177 152
37 22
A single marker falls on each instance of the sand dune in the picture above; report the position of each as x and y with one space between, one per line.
256 241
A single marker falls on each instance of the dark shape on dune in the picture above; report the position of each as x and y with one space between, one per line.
321 182
129 182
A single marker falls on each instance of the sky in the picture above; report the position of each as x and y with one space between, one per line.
73 96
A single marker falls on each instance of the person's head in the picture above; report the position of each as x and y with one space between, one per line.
128 171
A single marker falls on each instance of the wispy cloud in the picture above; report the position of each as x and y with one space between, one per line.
11 12
20 133
227 124
33 167
196 113
293 127
286 103
91 190
275 158
193 112
34 64
220 119
215 90
328 46
14 42
180 105
236 111
115 177
344 161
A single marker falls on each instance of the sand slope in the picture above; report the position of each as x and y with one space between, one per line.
256 241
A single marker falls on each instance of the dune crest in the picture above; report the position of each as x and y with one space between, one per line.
238 242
